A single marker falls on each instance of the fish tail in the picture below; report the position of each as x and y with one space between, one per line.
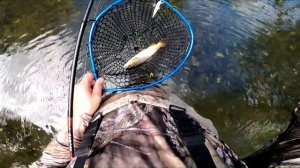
162 43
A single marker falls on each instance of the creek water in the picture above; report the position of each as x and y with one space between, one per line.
243 74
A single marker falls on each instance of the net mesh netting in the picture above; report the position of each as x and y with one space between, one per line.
128 28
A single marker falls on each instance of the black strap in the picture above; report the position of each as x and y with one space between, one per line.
83 150
192 136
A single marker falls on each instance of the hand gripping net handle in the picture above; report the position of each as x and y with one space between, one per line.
127 27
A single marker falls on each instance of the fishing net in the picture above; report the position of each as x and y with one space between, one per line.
128 27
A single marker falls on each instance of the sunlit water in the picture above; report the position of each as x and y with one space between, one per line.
243 73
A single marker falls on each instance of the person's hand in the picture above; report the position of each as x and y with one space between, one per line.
87 95
87 98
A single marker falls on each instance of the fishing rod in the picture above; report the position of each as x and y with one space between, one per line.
72 79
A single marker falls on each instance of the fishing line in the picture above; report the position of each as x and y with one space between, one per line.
98 6
85 61
130 148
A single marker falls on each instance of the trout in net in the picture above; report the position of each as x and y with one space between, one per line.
144 55
136 44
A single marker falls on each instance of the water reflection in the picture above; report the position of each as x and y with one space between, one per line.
243 72
275 69
21 21
34 70
35 78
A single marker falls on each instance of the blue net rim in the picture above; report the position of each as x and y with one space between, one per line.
91 35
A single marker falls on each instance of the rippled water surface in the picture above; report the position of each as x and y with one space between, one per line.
244 72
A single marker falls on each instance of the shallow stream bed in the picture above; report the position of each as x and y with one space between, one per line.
243 74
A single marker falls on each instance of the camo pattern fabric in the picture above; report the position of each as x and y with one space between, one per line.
142 135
